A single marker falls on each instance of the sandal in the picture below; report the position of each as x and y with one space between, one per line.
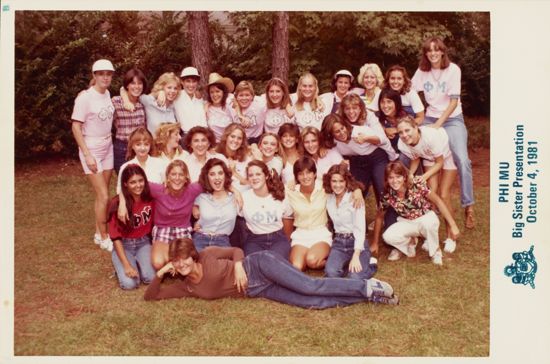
469 219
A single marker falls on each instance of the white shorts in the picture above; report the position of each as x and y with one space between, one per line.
448 163
101 148
310 237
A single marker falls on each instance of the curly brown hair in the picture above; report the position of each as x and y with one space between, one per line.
272 180
203 177
342 169
198 130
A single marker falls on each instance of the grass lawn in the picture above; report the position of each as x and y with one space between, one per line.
67 301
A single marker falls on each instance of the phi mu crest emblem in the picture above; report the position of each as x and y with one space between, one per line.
523 269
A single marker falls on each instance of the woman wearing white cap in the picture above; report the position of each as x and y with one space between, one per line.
340 85
92 120
217 107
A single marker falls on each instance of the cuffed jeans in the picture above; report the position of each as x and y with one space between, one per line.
341 252
272 277
202 240
276 242
458 143
138 253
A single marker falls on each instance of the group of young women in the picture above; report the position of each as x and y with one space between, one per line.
236 192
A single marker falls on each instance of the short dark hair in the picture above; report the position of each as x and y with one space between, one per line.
199 130
129 77
182 248
302 164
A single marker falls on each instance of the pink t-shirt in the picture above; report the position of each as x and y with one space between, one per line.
274 118
218 119
171 211
95 112
439 87
256 113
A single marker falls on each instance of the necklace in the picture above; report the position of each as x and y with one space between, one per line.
434 74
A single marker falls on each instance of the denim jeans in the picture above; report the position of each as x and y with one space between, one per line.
202 240
274 278
276 242
119 150
138 253
458 143
341 254
370 169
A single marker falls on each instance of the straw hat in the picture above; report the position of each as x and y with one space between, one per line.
217 78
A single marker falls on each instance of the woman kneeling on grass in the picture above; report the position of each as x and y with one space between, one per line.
412 200
224 272
132 240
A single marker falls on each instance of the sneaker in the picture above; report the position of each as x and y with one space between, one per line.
379 288
411 248
394 300
97 239
437 259
394 255
450 245
106 244
371 226
424 246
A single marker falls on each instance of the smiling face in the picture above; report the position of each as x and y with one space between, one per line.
244 99
235 140
103 79
396 80
369 80
408 134
343 84
199 144
135 185
339 132
135 88
173 140
311 144
183 266
171 91
141 148
434 55
216 95
256 177
288 140
190 85
307 88
269 146
216 178
337 184
176 178
275 94
306 178
396 182
352 112
388 107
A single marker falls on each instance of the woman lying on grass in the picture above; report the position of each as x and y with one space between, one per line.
224 272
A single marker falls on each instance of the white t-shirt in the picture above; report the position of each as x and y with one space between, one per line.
95 111
155 170
276 163
189 111
274 118
412 99
439 87
323 164
195 166
264 215
240 167
218 120
309 117
433 143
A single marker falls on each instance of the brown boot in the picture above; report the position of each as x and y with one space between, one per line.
469 218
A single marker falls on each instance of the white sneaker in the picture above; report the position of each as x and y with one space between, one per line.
97 238
394 255
424 246
371 226
379 288
437 259
106 244
450 245
411 248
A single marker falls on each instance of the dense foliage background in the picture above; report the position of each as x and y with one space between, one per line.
54 52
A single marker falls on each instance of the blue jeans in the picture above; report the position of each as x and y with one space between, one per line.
341 254
202 240
138 253
370 169
274 278
458 143
276 242
119 150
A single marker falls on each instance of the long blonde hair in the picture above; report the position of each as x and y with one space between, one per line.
316 103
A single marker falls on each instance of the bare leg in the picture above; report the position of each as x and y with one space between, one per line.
317 255
159 254
101 189
298 256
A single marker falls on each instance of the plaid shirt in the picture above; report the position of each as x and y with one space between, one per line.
125 121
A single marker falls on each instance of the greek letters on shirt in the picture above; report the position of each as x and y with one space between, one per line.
106 113
441 86
250 116
265 217
143 217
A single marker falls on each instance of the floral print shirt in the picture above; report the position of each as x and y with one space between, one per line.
413 205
